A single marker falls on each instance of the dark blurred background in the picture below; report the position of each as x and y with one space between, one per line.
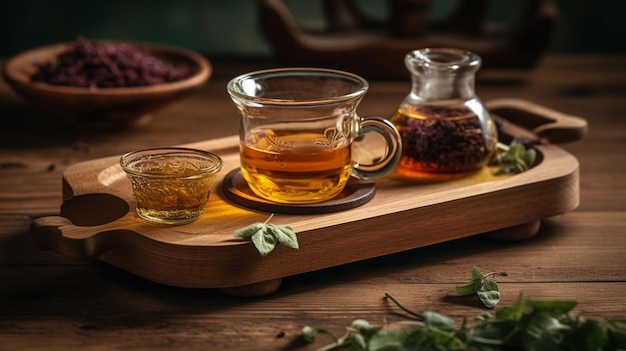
230 27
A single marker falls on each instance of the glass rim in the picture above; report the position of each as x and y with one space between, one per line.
361 85
455 59
128 158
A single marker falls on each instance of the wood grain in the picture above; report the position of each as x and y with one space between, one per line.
81 308
52 302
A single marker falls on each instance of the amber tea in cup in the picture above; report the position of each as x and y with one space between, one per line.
171 185
297 126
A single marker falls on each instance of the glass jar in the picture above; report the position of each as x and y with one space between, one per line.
446 130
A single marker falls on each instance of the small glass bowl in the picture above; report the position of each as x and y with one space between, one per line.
171 185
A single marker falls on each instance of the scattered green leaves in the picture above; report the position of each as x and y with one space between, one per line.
265 236
482 285
513 158
526 325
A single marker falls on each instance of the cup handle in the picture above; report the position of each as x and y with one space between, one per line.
394 148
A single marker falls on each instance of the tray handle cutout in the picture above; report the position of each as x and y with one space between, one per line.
542 122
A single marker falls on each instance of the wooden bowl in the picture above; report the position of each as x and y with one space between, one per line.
103 107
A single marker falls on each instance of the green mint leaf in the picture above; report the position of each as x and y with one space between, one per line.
359 342
477 274
265 236
486 288
364 327
616 329
530 156
526 325
589 335
433 319
285 235
515 152
539 340
468 289
247 232
264 241
506 169
489 285
388 340
555 307
489 293
513 158
474 284
513 312
447 338
489 298
309 334
542 332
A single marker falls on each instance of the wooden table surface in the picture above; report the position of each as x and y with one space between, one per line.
48 301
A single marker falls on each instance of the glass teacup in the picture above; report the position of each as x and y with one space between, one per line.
297 126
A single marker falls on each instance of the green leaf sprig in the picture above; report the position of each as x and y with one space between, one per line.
530 325
514 158
265 236
482 285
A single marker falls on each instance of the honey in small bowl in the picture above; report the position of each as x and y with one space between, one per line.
171 185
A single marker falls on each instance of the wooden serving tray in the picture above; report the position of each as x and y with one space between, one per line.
97 218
